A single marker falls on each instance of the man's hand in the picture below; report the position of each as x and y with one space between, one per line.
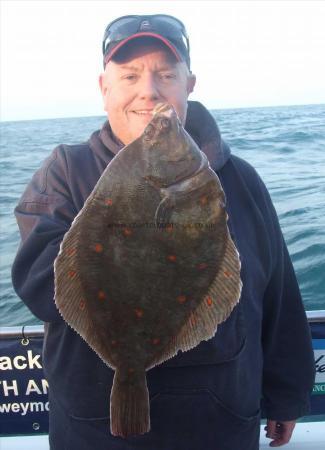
279 431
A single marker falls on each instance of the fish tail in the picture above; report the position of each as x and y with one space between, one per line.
129 403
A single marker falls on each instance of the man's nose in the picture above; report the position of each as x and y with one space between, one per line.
149 88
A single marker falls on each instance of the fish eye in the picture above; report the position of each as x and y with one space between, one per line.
165 122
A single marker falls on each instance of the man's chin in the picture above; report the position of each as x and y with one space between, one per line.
142 121
139 128
133 136
135 129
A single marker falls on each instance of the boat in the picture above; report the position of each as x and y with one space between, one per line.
24 401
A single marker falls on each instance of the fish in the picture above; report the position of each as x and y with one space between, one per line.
148 267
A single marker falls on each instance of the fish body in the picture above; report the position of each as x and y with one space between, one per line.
148 267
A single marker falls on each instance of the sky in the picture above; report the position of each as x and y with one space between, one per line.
244 53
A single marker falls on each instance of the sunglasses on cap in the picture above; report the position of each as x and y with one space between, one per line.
167 28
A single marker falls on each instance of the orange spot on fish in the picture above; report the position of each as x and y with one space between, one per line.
171 258
99 248
72 274
101 295
82 305
70 251
227 274
114 343
202 266
181 299
127 232
204 200
155 341
209 301
131 370
138 312
108 202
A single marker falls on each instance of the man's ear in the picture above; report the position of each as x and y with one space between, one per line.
191 80
102 84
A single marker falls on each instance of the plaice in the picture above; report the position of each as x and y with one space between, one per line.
148 267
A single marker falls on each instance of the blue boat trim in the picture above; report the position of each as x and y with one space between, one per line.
319 344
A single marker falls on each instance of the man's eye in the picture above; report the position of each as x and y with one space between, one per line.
167 76
130 77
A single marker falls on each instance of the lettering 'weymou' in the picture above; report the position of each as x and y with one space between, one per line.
24 408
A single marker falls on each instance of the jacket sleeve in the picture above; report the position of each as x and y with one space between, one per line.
288 374
44 214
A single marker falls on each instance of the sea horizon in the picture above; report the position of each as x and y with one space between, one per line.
231 108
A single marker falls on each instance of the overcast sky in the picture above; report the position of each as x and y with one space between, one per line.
244 53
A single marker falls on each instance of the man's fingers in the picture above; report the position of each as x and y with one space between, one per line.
271 429
280 432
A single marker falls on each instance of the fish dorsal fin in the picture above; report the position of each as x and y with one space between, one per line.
215 307
69 292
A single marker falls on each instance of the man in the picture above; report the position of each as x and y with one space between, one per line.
207 398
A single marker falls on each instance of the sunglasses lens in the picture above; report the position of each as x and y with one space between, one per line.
126 26
119 28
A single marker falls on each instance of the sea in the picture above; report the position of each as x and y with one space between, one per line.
286 145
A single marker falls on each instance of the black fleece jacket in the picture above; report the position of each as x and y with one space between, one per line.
262 349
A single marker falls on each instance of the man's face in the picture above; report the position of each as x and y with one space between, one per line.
149 75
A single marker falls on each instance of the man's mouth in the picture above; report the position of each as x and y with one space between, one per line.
144 112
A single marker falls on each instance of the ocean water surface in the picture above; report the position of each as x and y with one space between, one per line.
285 144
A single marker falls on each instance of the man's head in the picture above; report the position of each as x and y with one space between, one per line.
145 62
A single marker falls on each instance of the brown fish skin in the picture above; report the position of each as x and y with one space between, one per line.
148 267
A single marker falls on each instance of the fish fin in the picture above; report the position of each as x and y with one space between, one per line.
215 307
69 293
164 211
175 200
129 410
217 304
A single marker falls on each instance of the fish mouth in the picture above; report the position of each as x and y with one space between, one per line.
164 108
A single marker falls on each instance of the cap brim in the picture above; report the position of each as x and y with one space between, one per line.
118 46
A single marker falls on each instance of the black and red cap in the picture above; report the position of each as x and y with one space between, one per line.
167 29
